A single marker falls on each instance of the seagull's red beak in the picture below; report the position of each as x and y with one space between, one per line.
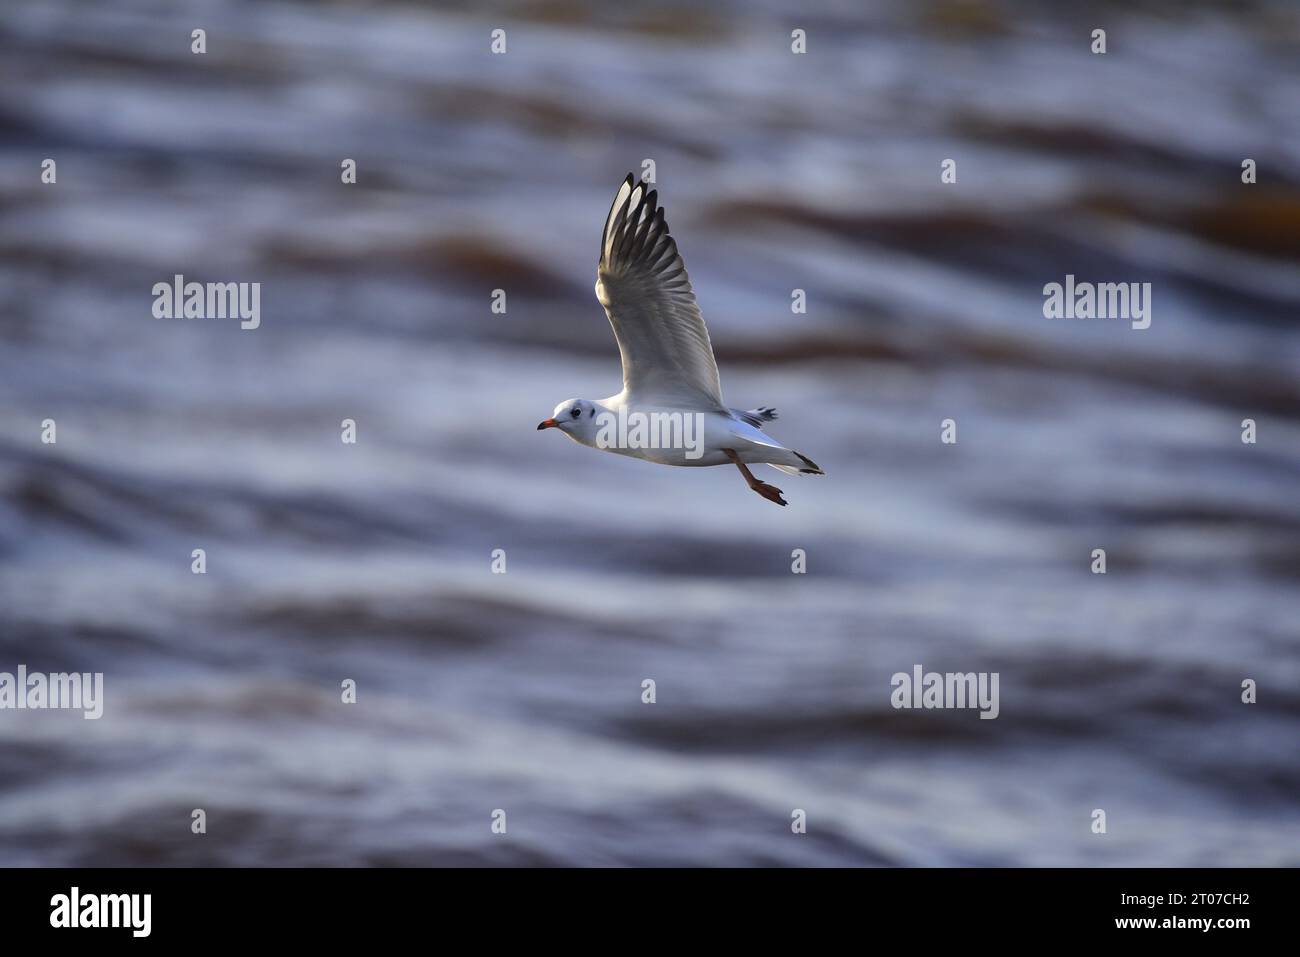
547 424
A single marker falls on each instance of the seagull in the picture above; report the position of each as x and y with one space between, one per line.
669 373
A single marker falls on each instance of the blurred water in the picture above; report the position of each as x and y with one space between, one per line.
522 691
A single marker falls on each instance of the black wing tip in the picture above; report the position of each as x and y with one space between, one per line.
629 181
756 417
812 469
618 218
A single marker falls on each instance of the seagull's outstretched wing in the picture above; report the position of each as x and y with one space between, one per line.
642 283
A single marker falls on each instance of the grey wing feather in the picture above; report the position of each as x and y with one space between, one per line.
642 283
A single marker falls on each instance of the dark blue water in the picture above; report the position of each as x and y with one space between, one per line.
522 691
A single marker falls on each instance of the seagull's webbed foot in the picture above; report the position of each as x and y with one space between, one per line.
769 492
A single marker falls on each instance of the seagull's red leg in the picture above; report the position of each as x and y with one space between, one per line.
769 492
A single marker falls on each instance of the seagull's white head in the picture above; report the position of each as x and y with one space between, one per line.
579 419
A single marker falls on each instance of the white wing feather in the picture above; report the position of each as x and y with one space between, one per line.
642 283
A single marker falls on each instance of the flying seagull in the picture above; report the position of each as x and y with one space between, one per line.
670 378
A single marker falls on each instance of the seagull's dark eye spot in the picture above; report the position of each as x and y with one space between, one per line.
576 413
593 411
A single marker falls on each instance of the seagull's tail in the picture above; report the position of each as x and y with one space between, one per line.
805 466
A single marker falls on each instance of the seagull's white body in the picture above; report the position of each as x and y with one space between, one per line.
668 364
721 430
